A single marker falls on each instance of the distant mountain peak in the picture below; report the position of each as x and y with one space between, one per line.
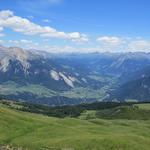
11 54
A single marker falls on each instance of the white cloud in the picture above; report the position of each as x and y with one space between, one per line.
26 41
139 45
123 44
1 34
5 14
26 44
1 42
46 20
70 49
76 36
30 17
24 26
22 41
129 45
111 43
1 29
111 40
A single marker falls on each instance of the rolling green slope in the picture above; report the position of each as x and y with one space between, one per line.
134 112
37 132
145 106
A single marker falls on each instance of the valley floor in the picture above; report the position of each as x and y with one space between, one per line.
38 132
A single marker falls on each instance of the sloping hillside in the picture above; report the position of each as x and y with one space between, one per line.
36 132
136 89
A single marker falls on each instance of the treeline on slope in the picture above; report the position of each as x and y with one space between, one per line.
62 111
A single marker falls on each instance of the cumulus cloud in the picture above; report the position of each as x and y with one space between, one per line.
111 40
25 26
110 43
123 44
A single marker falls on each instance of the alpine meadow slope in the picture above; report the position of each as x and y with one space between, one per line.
30 131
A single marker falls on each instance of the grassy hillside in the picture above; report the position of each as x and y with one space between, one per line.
133 112
145 106
38 132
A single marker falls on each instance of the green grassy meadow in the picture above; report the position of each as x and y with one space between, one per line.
38 132
143 106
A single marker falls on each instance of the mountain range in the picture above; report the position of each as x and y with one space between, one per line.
72 78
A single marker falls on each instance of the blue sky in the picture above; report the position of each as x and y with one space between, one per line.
76 25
